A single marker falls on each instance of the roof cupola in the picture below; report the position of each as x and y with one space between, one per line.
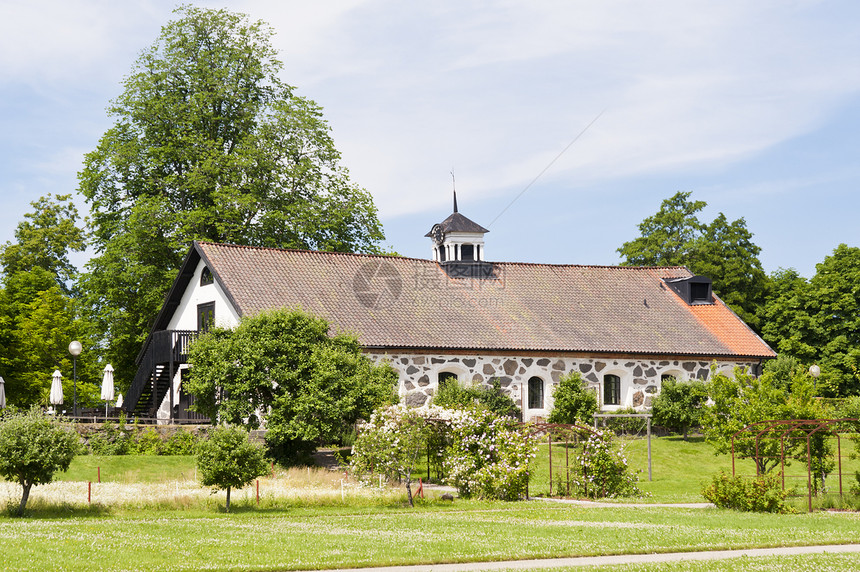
457 239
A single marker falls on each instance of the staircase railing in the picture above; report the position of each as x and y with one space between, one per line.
161 348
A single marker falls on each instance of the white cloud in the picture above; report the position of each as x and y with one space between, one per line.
497 93
494 91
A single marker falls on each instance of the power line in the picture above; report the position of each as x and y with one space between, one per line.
545 169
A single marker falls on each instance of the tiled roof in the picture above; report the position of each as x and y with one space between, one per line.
458 223
394 302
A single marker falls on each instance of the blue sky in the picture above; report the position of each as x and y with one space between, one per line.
753 106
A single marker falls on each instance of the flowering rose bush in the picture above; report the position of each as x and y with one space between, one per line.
391 442
484 455
489 456
601 471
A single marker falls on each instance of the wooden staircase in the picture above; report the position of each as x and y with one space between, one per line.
158 362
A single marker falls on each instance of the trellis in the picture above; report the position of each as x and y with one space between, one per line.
645 416
792 429
575 433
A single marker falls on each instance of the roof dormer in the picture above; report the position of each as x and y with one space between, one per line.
694 290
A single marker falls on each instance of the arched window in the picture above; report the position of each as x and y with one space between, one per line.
206 277
611 390
535 393
446 377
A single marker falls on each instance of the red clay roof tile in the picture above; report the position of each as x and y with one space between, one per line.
395 302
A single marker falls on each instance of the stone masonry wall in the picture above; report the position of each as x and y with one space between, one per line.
640 378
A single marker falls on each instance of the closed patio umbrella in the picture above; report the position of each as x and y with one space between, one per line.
57 389
119 401
107 386
2 393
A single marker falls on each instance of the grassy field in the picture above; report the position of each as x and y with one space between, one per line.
149 514
680 468
131 469
333 536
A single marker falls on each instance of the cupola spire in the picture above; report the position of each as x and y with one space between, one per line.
457 239
454 188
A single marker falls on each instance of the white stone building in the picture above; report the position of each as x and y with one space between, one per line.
625 329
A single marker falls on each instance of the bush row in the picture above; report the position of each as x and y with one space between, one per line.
134 439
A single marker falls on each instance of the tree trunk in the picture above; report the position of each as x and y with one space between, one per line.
228 499
24 498
685 432
409 492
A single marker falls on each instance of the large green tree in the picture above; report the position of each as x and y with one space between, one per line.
722 250
39 308
818 321
209 144
44 240
744 399
284 367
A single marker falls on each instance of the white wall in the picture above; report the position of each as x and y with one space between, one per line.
185 316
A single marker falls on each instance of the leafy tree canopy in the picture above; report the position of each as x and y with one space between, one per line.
819 321
744 399
722 250
227 459
39 314
44 240
285 366
210 144
680 404
33 447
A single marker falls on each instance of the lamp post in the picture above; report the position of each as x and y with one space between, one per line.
75 349
815 371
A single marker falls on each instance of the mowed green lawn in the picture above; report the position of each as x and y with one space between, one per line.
680 468
131 468
282 536
326 537
793 563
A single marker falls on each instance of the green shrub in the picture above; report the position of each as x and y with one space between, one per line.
573 402
179 443
623 425
679 405
763 493
456 395
600 470
112 439
148 442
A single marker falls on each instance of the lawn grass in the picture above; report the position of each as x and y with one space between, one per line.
327 537
680 468
375 528
131 468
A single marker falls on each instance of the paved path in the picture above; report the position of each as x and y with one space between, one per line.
626 504
610 560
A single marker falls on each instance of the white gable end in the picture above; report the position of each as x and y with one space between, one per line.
185 316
